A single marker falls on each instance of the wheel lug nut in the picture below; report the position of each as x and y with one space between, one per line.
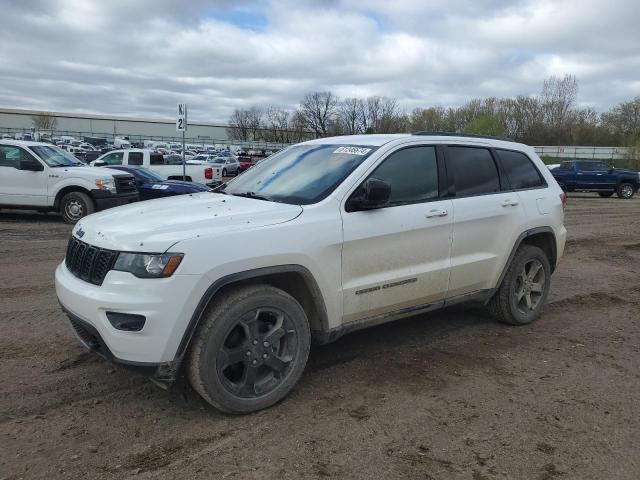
248 354
253 362
264 355
266 344
255 342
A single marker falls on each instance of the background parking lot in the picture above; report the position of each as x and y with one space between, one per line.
447 395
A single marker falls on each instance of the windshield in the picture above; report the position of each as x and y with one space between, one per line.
301 175
56 157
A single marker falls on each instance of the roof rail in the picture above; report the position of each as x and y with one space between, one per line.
457 134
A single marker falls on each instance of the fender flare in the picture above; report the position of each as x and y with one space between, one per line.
518 242
215 287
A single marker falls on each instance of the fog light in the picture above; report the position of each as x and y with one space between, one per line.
128 322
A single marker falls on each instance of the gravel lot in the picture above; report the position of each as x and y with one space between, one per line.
442 396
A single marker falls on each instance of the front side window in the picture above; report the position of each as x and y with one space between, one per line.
300 175
10 156
412 174
55 156
520 170
473 171
114 158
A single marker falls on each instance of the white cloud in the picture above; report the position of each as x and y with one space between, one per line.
141 57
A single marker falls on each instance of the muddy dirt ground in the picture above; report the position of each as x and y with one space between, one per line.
442 396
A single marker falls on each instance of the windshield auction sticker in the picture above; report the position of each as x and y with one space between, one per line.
352 150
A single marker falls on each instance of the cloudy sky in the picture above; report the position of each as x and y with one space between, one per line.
141 57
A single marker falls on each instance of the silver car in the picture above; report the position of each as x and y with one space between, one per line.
228 165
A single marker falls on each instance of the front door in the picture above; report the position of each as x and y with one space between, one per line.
21 187
397 257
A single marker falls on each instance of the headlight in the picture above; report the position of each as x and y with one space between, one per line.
106 184
148 265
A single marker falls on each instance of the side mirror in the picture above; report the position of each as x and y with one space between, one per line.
373 193
99 163
31 165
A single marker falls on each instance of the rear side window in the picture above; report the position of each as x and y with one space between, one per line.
135 158
412 174
156 159
520 170
473 171
566 166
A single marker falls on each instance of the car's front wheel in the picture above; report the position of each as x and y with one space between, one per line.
250 350
625 191
524 289
76 205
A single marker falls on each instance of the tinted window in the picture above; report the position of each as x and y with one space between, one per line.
520 170
135 158
566 166
412 174
592 166
156 159
473 171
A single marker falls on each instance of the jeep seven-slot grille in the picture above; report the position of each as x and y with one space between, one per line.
89 263
125 184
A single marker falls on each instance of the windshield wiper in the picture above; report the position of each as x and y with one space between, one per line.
251 195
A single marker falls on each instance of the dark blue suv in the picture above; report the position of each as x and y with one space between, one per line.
596 176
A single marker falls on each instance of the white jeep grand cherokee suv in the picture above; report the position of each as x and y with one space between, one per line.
325 237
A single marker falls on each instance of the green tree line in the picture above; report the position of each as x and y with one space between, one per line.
553 117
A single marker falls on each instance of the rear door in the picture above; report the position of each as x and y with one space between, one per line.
397 257
486 219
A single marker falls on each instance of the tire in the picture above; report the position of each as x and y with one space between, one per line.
509 304
625 191
250 349
605 194
224 172
76 205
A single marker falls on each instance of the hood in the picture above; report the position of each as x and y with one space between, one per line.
156 225
195 186
87 172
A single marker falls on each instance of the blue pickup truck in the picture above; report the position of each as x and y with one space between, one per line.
596 176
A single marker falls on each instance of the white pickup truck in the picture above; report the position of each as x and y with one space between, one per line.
156 162
41 176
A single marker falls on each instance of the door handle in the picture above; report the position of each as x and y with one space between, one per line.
436 213
510 203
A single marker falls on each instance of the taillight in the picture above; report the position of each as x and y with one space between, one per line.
563 200
208 173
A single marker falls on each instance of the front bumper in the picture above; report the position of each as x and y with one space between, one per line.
105 199
166 303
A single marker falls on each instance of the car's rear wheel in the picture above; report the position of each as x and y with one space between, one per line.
521 297
76 205
605 194
250 350
625 191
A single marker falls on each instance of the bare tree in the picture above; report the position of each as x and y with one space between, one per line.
245 124
350 114
558 99
318 110
44 121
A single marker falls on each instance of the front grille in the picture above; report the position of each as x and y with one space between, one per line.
89 263
125 183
